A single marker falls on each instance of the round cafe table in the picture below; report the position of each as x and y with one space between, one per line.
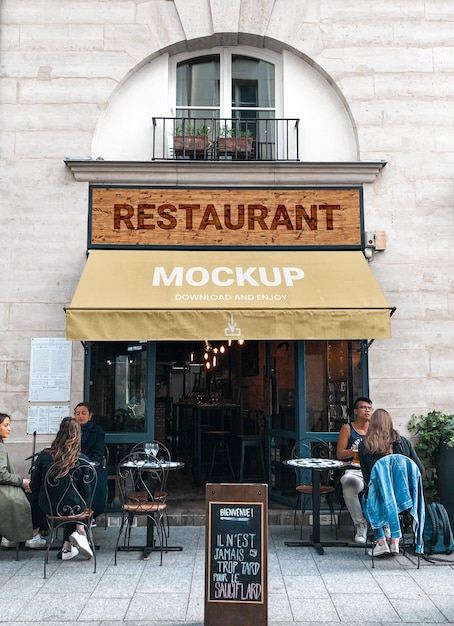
316 465
152 466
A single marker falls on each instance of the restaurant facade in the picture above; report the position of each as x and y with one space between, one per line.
232 215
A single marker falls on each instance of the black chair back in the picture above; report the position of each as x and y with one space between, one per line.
311 448
138 473
141 483
71 495
70 500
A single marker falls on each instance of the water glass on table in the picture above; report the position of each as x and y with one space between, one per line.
148 448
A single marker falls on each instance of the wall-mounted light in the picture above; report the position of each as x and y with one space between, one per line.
375 241
369 240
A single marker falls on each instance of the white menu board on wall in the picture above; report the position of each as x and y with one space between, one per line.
46 419
50 370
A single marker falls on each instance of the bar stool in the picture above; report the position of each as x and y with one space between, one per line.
252 422
253 443
220 454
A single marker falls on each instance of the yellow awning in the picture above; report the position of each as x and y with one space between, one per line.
128 295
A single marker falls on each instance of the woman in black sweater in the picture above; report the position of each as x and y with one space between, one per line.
94 447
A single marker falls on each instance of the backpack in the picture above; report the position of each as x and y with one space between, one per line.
438 538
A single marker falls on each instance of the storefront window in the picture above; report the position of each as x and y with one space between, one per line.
284 390
118 386
332 377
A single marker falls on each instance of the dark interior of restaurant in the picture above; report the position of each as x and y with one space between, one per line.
216 402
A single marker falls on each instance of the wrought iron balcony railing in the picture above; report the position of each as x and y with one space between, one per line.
229 139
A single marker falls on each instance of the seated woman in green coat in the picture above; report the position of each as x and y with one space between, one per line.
18 520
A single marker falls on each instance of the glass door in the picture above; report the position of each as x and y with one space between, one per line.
283 411
311 386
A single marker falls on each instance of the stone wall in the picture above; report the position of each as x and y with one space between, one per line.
393 64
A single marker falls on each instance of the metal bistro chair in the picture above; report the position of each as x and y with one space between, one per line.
312 448
138 475
105 463
70 499
395 496
163 454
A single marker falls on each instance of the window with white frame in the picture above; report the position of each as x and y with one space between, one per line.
230 92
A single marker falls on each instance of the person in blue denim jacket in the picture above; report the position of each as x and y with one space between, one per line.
382 439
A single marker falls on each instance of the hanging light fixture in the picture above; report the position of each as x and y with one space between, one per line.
212 352
207 354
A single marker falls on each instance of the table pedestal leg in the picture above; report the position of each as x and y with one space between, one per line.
315 541
315 537
316 512
150 544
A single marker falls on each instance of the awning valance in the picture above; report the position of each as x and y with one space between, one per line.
180 295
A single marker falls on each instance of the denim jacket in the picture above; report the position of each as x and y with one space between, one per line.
395 486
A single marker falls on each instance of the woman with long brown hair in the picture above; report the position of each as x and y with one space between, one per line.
383 439
63 455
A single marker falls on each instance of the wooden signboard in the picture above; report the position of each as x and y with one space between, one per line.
303 217
236 572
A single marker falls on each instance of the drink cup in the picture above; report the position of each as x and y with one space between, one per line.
355 456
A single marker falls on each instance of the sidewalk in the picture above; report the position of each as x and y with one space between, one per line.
305 588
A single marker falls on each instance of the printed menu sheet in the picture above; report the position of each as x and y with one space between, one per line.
46 419
50 370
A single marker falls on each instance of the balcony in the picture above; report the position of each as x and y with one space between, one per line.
225 139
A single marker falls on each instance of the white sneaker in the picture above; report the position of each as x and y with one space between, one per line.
36 543
379 550
6 543
394 547
361 533
81 543
67 555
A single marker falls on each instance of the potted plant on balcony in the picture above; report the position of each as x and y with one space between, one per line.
190 142
435 448
233 140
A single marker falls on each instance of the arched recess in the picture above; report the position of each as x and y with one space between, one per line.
327 129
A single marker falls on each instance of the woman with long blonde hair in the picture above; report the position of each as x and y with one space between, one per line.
383 439
62 456
65 448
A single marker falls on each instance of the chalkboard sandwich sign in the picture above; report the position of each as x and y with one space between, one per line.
236 557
